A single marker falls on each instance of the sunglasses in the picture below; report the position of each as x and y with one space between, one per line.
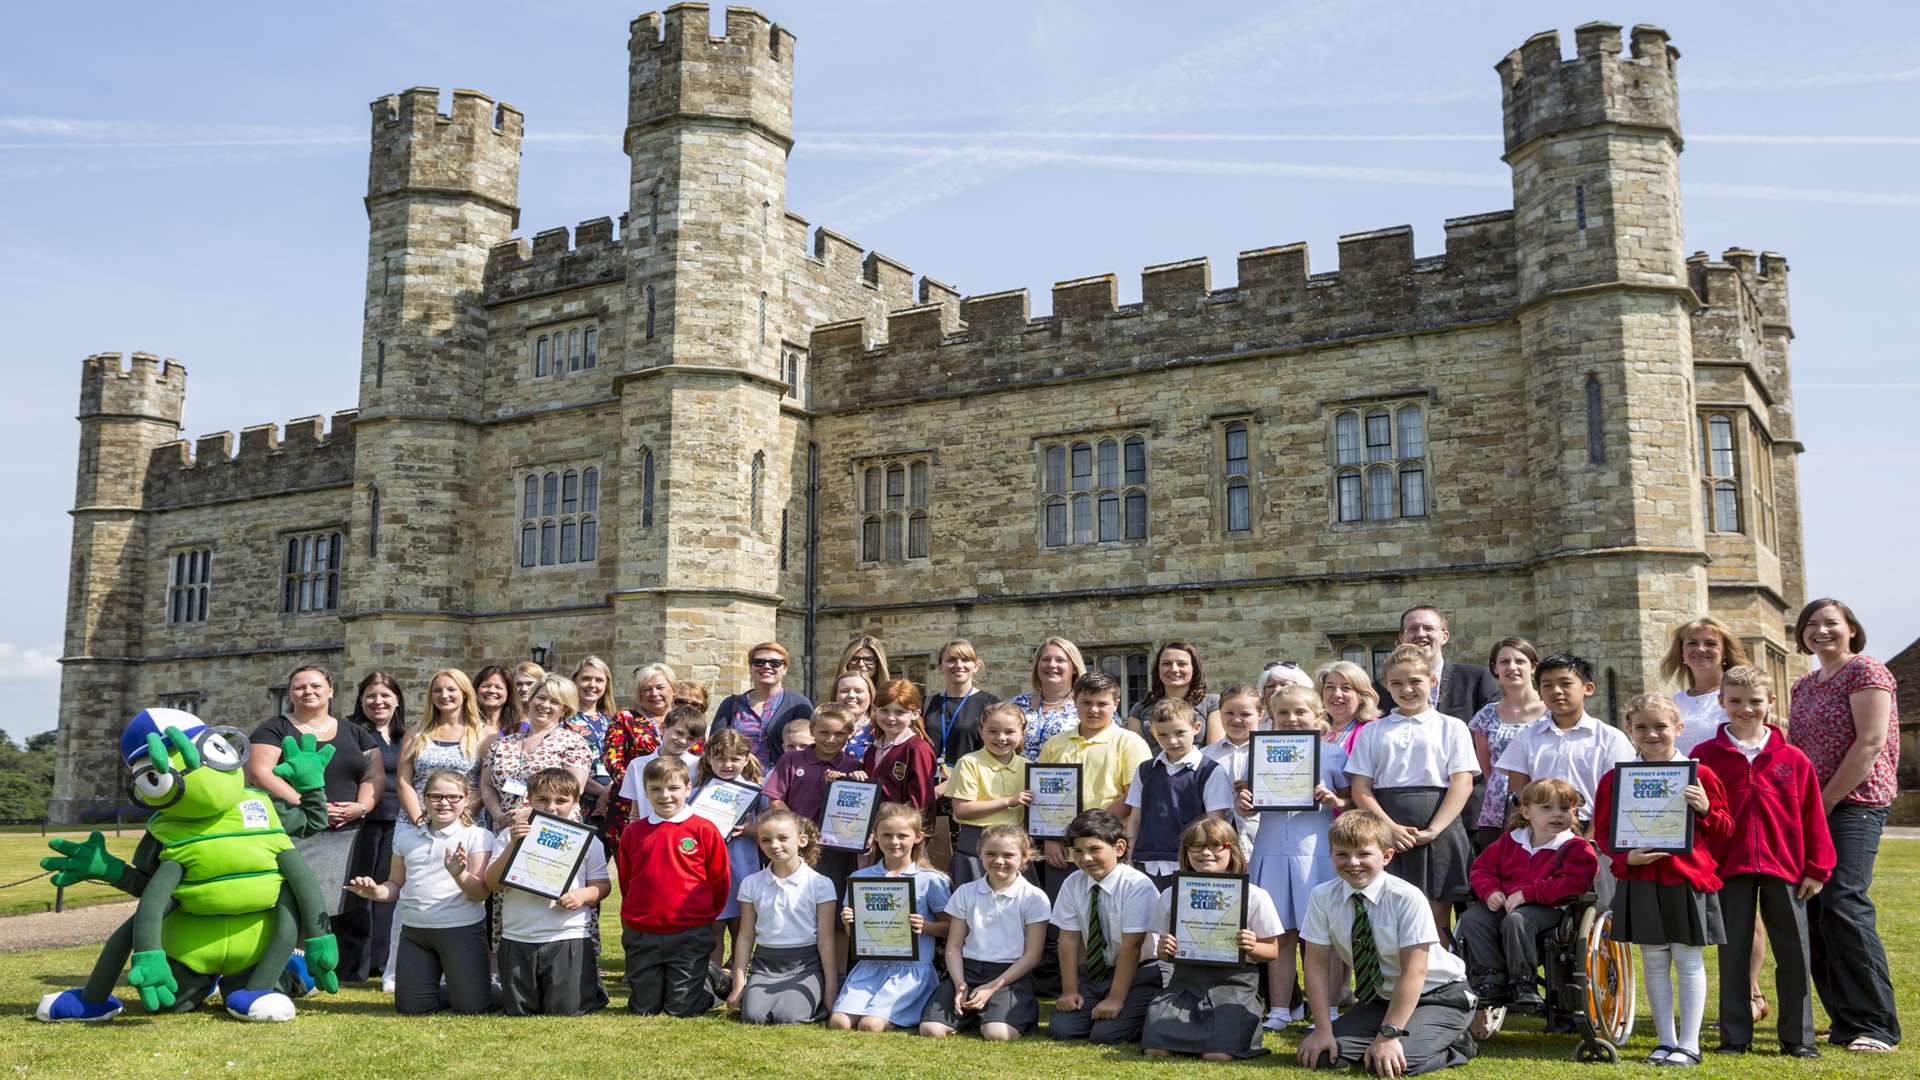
773 662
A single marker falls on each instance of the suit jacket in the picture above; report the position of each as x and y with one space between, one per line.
1465 689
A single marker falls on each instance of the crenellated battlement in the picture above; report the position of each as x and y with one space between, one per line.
676 68
474 150
308 454
1277 303
151 388
1743 299
1542 94
555 261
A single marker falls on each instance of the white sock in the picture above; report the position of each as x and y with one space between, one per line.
1690 971
1656 962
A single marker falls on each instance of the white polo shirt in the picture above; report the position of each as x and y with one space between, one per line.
786 910
633 786
1126 897
1398 751
429 899
1234 760
997 921
1216 798
1401 918
1580 755
533 920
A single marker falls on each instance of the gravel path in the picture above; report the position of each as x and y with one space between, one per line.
54 930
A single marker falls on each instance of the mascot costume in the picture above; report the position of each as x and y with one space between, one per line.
224 897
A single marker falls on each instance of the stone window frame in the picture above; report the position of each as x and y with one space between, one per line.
1131 664
1376 473
647 479
1369 649
1764 517
756 481
565 348
1723 475
189 583
1090 497
558 523
1242 479
311 570
1773 660
187 701
893 499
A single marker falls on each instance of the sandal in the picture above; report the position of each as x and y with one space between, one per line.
1659 1054
1761 1009
1867 1044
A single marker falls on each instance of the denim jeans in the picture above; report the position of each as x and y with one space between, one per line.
1849 963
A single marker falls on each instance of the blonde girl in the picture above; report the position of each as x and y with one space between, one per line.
784 959
883 995
996 936
448 736
729 756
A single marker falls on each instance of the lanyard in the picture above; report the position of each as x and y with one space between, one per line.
947 718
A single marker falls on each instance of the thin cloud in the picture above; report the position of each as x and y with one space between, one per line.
27 665
1817 80
1255 137
1819 196
1902 387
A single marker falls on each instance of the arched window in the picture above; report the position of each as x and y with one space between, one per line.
1082 466
1107 477
1413 434
1136 461
1379 494
650 311
1056 522
591 336
753 489
917 483
1346 439
892 499
188 574
1056 471
870 539
896 487
893 538
1109 463
310 580
541 362
1083 519
530 507
1720 472
1239 488
646 489
559 520
917 535
1136 515
590 490
1392 441
1379 436
1109 517
1348 486
569 539
550 493
569 492
589 507
574 355
1413 491
529 545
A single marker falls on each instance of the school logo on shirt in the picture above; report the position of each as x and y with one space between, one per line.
688 845
800 771
899 770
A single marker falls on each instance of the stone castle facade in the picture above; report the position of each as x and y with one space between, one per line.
713 426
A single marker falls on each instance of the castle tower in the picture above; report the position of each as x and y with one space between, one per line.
124 416
1594 146
709 126
441 190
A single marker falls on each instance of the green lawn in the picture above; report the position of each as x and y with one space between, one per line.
20 855
357 1034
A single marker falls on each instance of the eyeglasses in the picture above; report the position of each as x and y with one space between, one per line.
863 661
773 662
1210 845
437 797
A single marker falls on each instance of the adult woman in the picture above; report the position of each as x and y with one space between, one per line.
953 714
867 656
634 734
1048 707
1279 673
1496 724
1845 716
526 676
691 693
855 691
1701 651
546 744
763 709
448 737
1177 674
500 705
1352 702
353 776
594 680
365 928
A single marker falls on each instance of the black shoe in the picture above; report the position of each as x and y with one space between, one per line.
1799 1050
1731 1048
1560 1023
1527 1001
1492 993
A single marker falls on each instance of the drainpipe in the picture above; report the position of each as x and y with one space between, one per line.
813 554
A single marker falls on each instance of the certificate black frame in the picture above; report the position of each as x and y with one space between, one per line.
873 809
1253 756
1079 793
1173 913
857 885
1622 774
579 857
728 830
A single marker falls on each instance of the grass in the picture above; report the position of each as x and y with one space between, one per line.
20 855
357 1034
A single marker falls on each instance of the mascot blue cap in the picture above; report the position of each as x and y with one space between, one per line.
133 741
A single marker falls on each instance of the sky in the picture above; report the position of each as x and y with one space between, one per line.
187 180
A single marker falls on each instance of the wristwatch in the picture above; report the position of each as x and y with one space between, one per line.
1388 1031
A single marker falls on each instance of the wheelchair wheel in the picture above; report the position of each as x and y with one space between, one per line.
1611 987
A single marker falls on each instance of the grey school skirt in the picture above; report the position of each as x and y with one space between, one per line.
1438 869
785 985
1207 1010
328 854
1650 913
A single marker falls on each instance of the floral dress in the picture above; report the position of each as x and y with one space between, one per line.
1493 807
1044 721
511 762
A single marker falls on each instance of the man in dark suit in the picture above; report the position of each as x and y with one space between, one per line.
1459 690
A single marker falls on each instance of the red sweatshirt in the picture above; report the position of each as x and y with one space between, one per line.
904 772
1548 876
1780 828
674 875
1695 869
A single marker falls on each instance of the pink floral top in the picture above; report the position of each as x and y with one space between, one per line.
512 764
1821 724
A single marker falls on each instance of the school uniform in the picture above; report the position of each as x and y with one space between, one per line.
1675 900
1398 916
905 773
674 879
785 981
546 959
1108 761
997 925
1503 947
1123 902
1290 857
1168 796
1410 760
799 780
898 990
976 777
743 855
1206 1009
442 932
1234 759
1580 755
633 785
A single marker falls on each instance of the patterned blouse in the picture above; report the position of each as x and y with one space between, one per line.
435 756
1044 721
1821 724
509 761
593 728
1493 808
630 736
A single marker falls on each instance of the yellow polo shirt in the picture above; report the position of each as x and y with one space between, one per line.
978 776
1108 762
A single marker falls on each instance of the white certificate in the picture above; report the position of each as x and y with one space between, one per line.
1650 806
847 818
1209 911
1283 768
545 860
724 802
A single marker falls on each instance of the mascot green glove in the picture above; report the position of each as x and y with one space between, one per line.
224 897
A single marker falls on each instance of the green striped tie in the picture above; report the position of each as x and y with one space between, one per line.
1366 957
1096 938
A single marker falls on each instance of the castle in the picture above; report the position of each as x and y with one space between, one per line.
709 428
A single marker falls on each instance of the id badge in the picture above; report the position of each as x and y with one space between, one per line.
513 787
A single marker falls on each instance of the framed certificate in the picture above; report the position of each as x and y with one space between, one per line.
882 908
724 802
1283 768
1056 799
1650 806
847 818
544 861
1209 911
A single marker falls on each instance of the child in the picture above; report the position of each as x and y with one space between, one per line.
1415 768
799 782
1777 857
1109 757
989 788
546 960
1565 744
679 731
439 877
729 756
1667 904
1522 879
1208 1010
795 737
1175 789
1290 856
900 759
786 926
1413 1004
881 995
1240 715
674 882
996 932
1104 913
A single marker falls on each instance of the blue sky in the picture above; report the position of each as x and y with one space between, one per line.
186 179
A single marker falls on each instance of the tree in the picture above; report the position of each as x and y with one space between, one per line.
26 776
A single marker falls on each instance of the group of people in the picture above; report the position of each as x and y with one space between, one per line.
1401 917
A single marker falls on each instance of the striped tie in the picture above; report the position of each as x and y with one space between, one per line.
1096 938
1366 958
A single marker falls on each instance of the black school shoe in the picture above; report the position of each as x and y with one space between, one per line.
1799 1050
1732 1048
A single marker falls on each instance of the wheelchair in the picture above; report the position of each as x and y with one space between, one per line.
1589 980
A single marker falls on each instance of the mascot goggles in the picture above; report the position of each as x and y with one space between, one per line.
155 783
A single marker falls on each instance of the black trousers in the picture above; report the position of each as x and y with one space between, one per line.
1849 963
668 972
365 929
1785 916
1505 944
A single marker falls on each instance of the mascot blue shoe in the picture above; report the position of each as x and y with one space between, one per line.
69 1005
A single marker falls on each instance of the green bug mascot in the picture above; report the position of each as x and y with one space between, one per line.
224 897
